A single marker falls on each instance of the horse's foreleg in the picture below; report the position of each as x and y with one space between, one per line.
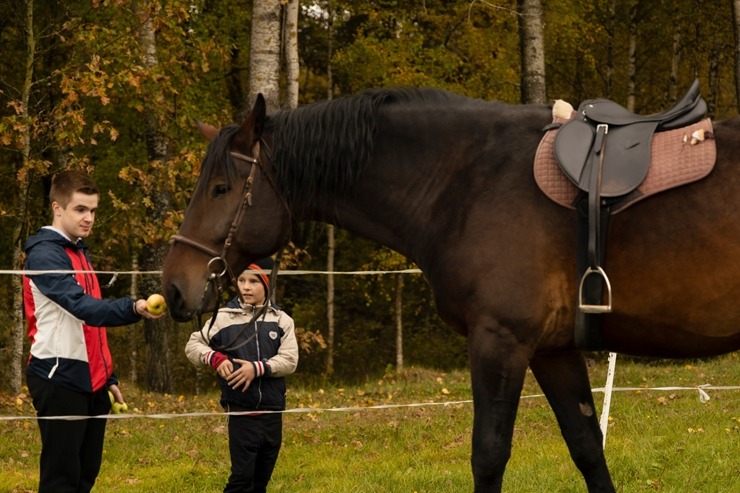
498 363
564 380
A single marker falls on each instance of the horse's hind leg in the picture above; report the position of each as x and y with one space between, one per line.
564 380
498 363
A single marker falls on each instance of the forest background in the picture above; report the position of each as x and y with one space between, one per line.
114 86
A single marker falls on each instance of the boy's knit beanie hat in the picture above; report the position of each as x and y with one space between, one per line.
262 269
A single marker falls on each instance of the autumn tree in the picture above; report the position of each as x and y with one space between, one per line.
76 90
50 126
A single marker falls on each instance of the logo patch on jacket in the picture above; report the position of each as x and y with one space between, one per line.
273 335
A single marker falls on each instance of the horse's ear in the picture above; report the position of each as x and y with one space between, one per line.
254 123
208 131
260 112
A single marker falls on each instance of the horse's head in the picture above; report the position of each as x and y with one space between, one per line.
236 215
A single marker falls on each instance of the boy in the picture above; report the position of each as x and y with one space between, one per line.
252 346
70 369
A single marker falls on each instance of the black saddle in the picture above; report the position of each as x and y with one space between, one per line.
625 138
605 151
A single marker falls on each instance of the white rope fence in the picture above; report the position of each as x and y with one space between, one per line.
701 389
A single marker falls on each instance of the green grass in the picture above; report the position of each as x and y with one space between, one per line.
665 441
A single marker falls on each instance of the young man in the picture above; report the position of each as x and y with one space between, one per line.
70 369
252 346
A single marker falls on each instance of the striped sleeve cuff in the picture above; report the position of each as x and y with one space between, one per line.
214 359
260 368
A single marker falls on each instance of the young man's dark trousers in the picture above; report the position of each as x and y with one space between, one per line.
71 450
254 445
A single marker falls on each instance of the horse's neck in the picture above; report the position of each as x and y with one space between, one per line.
390 204
366 218
424 169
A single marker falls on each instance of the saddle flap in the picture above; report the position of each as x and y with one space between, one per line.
626 158
573 148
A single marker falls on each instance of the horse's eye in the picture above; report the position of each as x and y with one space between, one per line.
220 190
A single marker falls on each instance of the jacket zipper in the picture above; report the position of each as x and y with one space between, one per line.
259 384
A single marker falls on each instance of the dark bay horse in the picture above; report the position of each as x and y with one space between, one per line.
447 181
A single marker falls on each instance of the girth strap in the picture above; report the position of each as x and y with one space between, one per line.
588 334
594 193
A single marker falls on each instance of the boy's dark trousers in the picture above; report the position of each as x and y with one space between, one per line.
71 451
254 444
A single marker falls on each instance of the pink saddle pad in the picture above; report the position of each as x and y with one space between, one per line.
677 157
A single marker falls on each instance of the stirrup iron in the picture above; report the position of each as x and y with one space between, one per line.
595 308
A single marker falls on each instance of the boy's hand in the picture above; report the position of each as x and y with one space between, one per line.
225 369
242 376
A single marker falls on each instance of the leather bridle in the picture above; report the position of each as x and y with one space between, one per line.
218 267
246 201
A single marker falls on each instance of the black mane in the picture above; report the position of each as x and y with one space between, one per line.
322 148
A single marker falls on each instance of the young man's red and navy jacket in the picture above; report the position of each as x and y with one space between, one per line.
66 315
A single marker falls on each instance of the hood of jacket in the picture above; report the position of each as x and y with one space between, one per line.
48 234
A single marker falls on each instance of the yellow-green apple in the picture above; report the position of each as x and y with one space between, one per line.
116 407
155 304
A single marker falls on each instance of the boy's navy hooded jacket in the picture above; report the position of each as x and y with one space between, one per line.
66 315
270 345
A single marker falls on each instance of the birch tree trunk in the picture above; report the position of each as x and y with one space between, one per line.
292 66
133 342
399 322
264 56
632 56
19 231
330 232
156 332
611 30
330 300
532 50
